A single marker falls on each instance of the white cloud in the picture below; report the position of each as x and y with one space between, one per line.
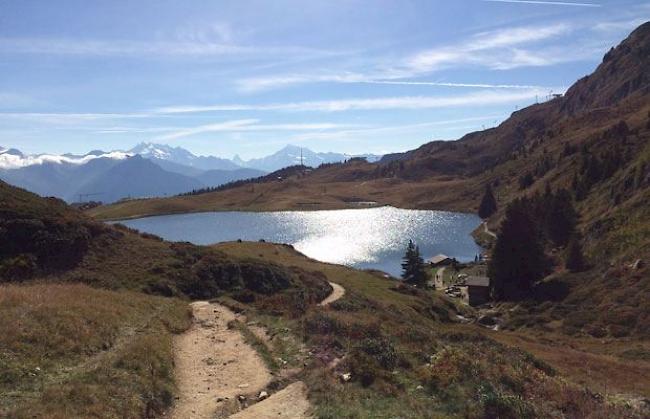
257 84
195 47
547 3
482 98
68 119
498 49
9 161
445 84
247 125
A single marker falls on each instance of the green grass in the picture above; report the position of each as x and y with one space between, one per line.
258 344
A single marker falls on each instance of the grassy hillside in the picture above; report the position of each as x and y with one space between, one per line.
71 350
44 239
408 351
74 351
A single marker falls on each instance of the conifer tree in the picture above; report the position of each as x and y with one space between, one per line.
518 259
575 260
560 217
488 204
413 265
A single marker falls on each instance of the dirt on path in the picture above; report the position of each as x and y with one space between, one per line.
487 230
289 403
214 365
337 292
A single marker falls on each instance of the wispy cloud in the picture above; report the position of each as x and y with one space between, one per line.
132 48
256 84
482 98
547 3
499 49
61 118
444 84
250 125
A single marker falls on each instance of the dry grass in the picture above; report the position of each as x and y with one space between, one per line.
73 351
393 340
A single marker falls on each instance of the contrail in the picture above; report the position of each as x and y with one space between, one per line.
442 84
551 3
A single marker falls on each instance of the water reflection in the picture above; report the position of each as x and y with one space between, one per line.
364 238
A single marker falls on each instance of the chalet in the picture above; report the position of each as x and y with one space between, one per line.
476 290
440 260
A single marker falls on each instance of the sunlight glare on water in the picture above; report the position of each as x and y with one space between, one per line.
364 238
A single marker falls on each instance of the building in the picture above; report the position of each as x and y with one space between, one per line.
440 260
439 279
476 290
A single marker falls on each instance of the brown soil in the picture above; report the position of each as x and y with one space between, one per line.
337 292
289 403
214 365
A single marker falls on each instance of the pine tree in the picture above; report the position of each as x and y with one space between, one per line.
413 265
560 217
518 259
575 260
488 204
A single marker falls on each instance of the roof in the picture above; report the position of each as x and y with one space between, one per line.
477 281
438 258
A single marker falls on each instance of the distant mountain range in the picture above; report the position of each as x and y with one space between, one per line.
146 170
291 155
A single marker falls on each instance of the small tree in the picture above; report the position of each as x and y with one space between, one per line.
575 260
413 265
488 203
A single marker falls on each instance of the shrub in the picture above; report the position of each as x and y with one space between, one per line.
382 350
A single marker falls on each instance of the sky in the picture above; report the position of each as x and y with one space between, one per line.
248 77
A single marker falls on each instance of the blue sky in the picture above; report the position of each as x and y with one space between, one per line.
248 77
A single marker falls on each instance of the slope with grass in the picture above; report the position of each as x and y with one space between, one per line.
82 332
408 354
73 351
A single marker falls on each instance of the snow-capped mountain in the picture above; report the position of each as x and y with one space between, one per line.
291 155
110 176
179 155
146 170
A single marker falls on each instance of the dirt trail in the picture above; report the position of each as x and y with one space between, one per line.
337 292
214 366
214 363
487 230
289 403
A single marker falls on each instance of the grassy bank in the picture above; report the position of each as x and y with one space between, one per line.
71 351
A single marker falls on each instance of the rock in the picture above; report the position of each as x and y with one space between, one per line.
637 264
243 385
345 377
263 395
419 388
487 320
241 398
